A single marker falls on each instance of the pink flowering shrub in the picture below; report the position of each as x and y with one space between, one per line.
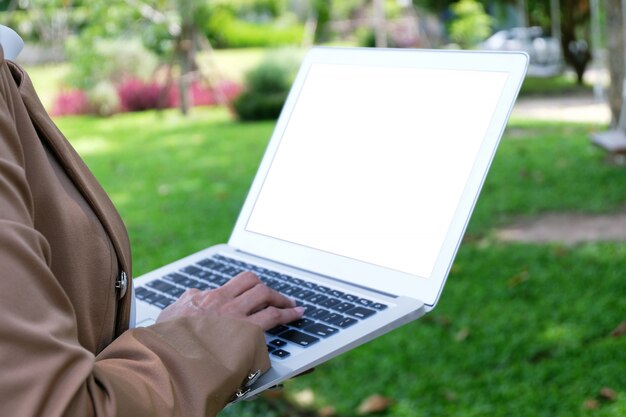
71 102
202 95
137 95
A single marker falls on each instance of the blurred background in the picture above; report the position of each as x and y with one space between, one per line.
171 104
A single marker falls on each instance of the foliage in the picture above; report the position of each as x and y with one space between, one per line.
241 34
471 24
267 87
108 60
138 95
226 30
520 329
104 99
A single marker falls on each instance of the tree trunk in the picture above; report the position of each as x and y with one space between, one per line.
576 52
615 47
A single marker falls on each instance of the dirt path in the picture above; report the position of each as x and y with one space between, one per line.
565 228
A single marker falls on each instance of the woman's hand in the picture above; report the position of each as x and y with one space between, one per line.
244 297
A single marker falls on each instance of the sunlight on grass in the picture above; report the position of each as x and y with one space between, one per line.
563 335
92 145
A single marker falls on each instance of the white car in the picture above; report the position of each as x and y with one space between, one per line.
546 57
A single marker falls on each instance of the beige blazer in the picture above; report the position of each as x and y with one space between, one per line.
64 345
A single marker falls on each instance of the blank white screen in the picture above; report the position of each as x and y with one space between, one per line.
373 162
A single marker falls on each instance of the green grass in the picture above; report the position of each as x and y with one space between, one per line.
178 182
521 330
553 86
48 81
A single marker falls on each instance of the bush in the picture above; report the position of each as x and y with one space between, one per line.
103 99
108 60
255 106
138 95
70 102
471 24
225 30
267 87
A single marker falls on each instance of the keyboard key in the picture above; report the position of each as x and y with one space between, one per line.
350 297
317 298
309 285
202 286
208 263
151 297
300 323
175 277
296 281
270 349
336 293
278 343
197 284
290 290
329 302
346 322
364 302
299 338
333 318
187 282
221 281
280 353
321 330
175 292
319 314
378 306
303 294
160 285
308 309
278 329
341 307
195 271
323 289
361 312
142 293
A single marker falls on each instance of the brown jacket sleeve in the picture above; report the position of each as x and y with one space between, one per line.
187 367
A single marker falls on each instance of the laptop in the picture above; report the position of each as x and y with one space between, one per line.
362 197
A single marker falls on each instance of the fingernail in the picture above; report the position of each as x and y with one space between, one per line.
299 309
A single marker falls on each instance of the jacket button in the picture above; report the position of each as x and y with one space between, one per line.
122 284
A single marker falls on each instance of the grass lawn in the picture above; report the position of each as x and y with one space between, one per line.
553 86
521 330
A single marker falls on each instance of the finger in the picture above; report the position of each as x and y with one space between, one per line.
239 284
260 297
272 316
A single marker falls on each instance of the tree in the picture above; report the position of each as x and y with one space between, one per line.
471 25
576 35
615 46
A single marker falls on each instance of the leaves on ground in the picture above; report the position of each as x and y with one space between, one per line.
619 330
608 394
462 334
374 404
518 279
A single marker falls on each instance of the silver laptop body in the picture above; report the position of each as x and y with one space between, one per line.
362 197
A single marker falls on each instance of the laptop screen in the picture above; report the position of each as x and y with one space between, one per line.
374 160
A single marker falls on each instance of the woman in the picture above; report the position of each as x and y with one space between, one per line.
65 346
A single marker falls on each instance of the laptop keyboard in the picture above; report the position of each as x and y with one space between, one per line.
327 311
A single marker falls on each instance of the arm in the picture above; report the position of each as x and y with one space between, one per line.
189 364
